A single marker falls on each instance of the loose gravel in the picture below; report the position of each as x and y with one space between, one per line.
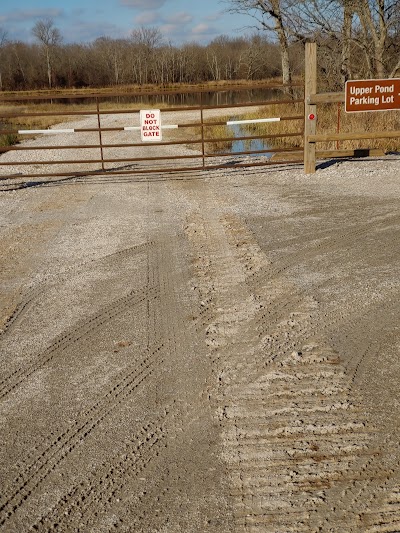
205 351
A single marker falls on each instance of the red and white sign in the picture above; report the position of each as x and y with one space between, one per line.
150 125
372 95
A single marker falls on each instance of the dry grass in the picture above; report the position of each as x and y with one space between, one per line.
333 119
220 132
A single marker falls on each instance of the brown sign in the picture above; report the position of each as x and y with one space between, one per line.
372 95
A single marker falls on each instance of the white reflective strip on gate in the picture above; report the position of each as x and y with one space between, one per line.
45 131
231 122
166 127
127 128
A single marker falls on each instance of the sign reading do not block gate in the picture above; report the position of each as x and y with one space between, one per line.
150 125
372 95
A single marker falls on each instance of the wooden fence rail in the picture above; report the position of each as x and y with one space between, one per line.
311 100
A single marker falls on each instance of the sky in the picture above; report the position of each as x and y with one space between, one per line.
83 21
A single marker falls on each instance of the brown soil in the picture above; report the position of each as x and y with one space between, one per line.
216 352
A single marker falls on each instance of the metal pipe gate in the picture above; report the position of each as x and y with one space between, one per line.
106 140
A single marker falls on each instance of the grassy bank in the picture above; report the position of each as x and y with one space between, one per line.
331 118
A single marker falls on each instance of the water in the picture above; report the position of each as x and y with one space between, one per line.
244 145
211 98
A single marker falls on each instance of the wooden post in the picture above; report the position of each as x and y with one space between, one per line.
310 110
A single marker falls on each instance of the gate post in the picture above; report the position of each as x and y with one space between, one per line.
310 110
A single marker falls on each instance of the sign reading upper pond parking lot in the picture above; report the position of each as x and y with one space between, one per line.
150 125
372 95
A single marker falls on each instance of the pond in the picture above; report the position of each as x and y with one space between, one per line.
208 98
244 145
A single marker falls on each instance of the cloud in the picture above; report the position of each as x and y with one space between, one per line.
88 32
168 24
169 29
203 33
202 29
179 18
147 18
214 17
29 14
143 4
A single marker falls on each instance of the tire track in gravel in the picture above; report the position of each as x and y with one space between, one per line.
386 519
75 335
103 486
132 505
80 331
292 430
350 319
332 240
112 489
61 276
27 231
65 443
383 317
121 388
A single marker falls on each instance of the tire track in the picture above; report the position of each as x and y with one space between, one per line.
103 487
332 241
291 430
22 306
106 487
124 385
77 334
129 503
63 444
365 471
61 276
279 309
290 454
387 519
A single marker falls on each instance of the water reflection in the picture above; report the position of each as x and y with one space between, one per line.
211 98
257 146
217 98
244 145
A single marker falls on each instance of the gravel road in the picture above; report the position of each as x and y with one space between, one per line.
206 352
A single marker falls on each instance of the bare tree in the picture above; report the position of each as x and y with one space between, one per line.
330 23
143 58
270 15
358 32
20 75
192 63
377 19
49 37
144 43
111 54
3 40
252 58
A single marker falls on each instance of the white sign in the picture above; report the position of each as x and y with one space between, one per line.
150 125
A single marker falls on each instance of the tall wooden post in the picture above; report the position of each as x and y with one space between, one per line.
310 110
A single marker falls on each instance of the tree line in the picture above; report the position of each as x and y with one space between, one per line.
356 39
143 58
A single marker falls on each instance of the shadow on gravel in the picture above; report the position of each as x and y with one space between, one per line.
100 177
358 154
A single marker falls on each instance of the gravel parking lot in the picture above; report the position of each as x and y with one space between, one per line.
206 351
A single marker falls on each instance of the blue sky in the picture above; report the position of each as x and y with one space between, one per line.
81 21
